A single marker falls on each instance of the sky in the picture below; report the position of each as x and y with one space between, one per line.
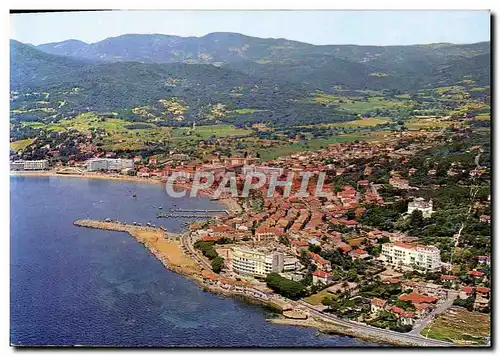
316 27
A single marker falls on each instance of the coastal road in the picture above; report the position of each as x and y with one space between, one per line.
186 242
377 332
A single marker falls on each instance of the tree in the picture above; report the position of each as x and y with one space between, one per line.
416 219
217 264
285 287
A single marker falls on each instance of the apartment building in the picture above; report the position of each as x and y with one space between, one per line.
257 263
425 258
37 165
109 164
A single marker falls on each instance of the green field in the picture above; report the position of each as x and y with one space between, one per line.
310 145
206 132
20 144
459 325
120 137
315 299
362 105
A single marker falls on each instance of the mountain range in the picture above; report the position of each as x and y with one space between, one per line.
129 70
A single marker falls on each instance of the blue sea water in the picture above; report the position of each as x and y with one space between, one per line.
77 286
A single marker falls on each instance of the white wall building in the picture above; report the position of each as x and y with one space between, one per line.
423 206
427 258
37 165
255 263
109 164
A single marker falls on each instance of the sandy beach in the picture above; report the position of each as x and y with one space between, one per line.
229 203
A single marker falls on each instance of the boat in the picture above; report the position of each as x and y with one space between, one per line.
160 207
134 195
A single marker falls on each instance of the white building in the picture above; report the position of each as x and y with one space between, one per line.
254 262
423 206
290 263
427 258
109 164
37 165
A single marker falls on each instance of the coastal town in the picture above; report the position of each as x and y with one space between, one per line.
333 257
251 179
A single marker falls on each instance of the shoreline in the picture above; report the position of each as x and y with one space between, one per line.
169 252
229 203
175 260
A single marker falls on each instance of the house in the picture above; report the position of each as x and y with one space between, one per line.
399 183
482 300
423 309
359 254
348 288
449 279
484 260
263 233
322 277
485 218
377 305
407 318
321 263
475 274
421 205
466 292
298 246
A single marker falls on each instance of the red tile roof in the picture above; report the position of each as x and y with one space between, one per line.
397 310
447 278
407 314
378 302
321 274
317 258
299 243
482 290
467 290
417 298
475 273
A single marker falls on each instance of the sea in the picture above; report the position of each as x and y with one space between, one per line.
75 286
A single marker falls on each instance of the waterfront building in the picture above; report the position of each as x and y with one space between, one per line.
109 164
427 258
37 165
423 206
256 263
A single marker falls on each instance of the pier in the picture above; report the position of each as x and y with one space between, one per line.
199 211
186 215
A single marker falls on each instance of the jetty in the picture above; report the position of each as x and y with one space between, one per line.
180 210
119 226
185 215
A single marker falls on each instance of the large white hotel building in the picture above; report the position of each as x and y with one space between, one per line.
425 258
109 164
255 263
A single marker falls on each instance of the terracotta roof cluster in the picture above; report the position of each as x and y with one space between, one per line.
318 259
299 243
416 298
378 302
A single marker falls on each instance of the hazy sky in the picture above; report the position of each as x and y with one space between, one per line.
317 27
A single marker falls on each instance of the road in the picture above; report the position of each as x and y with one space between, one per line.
377 332
186 243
